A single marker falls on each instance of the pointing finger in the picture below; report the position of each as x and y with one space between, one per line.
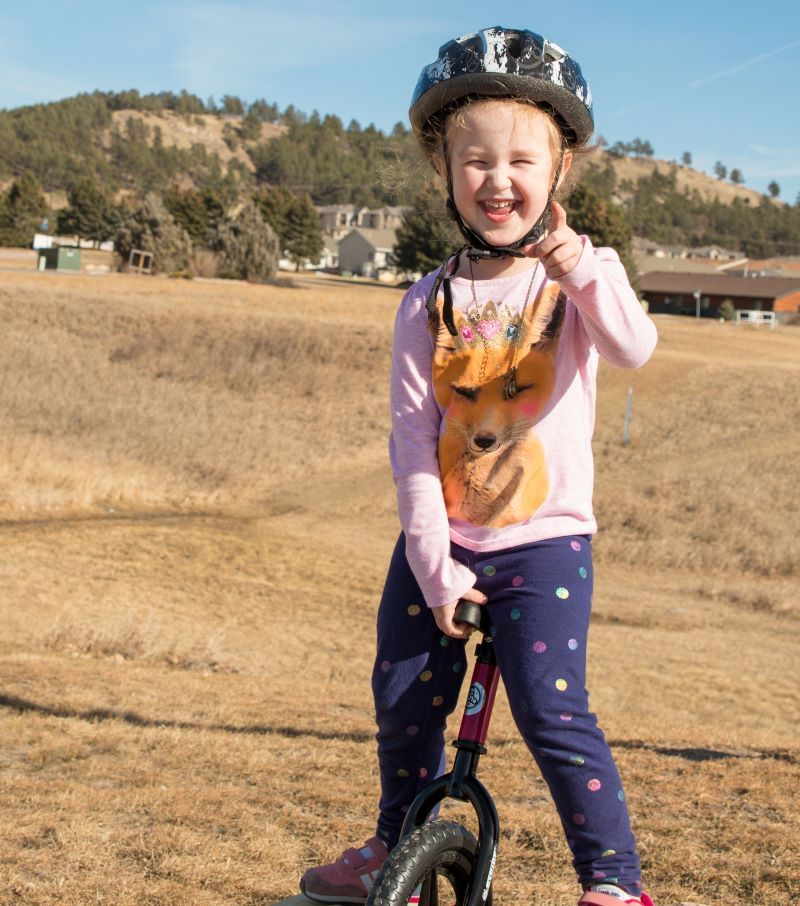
559 217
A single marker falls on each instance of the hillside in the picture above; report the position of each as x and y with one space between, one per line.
129 145
180 131
688 179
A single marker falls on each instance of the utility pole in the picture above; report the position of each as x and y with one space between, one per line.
696 295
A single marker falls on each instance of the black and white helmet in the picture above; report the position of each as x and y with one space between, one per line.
504 62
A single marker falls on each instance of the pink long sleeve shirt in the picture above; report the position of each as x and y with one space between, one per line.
491 429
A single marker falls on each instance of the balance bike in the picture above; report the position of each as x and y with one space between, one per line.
439 863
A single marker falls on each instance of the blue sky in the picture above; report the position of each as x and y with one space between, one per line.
718 79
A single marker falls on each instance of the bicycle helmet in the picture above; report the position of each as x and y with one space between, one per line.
505 62
502 62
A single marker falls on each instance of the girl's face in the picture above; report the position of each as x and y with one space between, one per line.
503 159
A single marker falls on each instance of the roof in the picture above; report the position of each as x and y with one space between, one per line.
647 264
337 209
719 284
378 239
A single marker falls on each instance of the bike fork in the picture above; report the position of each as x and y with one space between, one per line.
462 783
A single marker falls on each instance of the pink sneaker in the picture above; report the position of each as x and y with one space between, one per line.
350 878
610 895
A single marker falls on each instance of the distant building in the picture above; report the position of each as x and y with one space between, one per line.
338 219
365 251
674 293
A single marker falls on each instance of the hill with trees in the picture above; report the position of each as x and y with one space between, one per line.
88 164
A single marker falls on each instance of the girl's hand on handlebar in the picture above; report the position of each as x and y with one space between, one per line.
444 615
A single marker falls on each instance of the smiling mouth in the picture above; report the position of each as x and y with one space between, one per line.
498 211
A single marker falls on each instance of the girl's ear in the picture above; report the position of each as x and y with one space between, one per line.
565 165
438 164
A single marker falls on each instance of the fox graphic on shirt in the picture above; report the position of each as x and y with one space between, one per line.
493 380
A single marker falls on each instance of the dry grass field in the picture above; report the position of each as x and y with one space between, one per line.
195 517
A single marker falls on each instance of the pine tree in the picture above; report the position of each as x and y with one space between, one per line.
275 205
151 228
21 211
91 212
604 223
425 237
249 248
304 241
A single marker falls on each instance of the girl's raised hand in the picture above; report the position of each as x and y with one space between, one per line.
561 248
444 615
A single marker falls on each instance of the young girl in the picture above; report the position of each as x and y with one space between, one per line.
493 391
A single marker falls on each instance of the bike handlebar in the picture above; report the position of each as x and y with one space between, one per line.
469 613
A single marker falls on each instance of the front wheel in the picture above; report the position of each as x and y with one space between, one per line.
430 867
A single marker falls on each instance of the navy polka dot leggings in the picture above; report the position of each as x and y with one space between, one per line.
539 603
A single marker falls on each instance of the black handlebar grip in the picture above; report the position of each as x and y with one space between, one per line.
469 613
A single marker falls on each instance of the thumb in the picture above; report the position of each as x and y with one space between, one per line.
559 217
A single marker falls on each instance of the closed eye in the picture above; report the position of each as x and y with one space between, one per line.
522 387
470 393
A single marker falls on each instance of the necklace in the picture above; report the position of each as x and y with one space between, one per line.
510 387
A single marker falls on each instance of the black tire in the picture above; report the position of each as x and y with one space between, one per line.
440 854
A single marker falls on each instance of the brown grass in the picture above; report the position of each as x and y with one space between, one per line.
196 512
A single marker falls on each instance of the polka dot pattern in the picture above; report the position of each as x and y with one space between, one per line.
541 603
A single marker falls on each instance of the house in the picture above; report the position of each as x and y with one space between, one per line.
678 293
365 252
338 219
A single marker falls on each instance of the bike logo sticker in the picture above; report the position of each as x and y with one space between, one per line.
475 700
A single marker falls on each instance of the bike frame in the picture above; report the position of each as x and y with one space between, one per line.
461 782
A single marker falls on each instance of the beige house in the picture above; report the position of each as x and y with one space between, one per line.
366 252
338 219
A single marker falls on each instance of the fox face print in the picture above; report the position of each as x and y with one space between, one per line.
493 380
